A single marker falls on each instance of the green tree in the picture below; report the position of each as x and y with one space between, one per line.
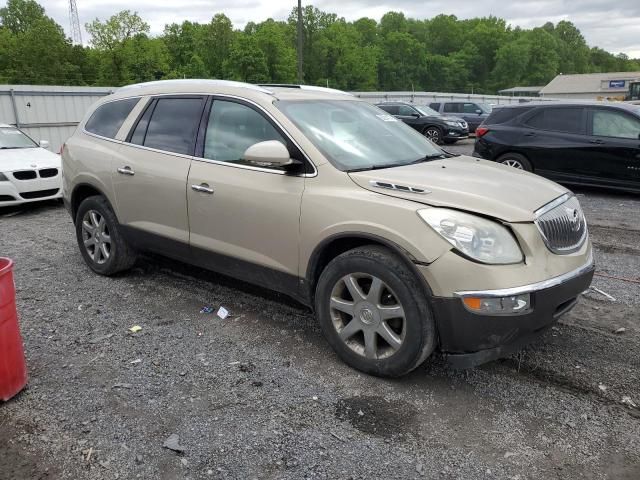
21 15
274 39
246 62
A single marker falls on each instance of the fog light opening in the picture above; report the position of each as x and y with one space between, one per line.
512 305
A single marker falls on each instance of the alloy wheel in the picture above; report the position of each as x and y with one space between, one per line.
96 237
367 316
433 134
513 163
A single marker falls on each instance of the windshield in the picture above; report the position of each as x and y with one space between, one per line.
355 135
426 110
13 138
485 107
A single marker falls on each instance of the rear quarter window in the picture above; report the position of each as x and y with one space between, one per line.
503 115
559 119
109 117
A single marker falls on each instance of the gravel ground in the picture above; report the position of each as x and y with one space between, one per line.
261 395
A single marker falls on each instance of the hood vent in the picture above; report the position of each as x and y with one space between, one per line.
397 187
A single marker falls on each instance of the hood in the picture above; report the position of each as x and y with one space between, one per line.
25 158
470 184
452 118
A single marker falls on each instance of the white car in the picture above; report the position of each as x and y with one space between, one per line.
28 171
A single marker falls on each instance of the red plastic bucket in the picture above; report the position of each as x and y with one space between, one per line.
13 369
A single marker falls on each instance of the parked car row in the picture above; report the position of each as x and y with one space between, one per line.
596 144
398 246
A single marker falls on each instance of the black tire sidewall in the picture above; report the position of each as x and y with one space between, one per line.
420 327
100 205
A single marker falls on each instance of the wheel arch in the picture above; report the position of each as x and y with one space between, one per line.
513 150
337 244
80 193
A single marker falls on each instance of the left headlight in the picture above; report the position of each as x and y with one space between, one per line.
3 178
452 123
476 237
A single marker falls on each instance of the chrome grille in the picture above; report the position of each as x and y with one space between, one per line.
562 225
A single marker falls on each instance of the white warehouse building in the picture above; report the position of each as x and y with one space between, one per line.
591 86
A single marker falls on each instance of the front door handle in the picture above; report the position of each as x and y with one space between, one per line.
203 188
126 171
597 142
530 134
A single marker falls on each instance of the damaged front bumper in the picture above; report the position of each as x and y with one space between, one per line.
468 339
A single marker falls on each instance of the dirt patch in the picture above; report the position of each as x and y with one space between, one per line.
376 415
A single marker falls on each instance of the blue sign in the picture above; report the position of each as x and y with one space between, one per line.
616 83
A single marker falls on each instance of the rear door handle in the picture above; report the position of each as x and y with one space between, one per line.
126 171
598 142
530 134
203 188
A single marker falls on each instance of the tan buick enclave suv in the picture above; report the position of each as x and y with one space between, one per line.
398 246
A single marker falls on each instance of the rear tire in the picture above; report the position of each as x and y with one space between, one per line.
101 243
374 312
515 160
434 134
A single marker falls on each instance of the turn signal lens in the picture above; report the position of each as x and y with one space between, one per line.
480 131
514 305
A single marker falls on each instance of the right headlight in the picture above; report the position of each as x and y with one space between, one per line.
3 178
476 237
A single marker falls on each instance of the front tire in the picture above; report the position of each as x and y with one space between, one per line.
374 312
99 238
434 134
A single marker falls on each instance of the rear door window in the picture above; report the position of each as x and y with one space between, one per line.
391 109
559 119
172 126
609 123
109 117
453 107
503 115
435 106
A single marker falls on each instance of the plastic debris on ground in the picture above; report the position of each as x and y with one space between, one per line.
627 401
223 313
135 329
206 309
605 294
173 443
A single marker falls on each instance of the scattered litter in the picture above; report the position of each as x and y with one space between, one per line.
603 293
315 399
361 413
510 454
206 309
88 454
173 443
602 387
137 360
335 435
223 313
93 341
127 386
135 329
104 464
620 330
184 462
234 363
419 468
627 401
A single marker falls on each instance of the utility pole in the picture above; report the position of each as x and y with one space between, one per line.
300 74
76 33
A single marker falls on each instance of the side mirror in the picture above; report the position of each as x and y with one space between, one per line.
44 143
479 112
415 115
271 153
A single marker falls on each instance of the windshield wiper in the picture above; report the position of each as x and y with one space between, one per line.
370 167
427 158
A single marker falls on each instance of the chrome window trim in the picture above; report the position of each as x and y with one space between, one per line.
208 160
533 287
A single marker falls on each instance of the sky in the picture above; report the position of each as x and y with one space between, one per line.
613 26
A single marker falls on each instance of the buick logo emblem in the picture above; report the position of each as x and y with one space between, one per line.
366 316
575 219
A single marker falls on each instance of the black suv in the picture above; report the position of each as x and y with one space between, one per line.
576 143
474 113
435 127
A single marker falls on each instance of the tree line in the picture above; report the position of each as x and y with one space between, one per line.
443 53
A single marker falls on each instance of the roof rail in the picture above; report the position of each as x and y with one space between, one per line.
191 81
305 87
